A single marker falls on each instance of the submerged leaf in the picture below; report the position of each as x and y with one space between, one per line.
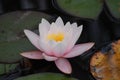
6 68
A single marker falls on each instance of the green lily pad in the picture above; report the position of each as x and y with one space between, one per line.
12 38
114 7
46 76
12 24
6 68
81 8
10 51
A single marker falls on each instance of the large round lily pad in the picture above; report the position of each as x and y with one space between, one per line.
12 24
12 38
10 51
46 76
114 7
81 8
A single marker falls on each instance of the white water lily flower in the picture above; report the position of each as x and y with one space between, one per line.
56 42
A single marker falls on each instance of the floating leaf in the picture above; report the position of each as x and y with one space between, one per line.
81 8
46 76
12 41
10 51
13 24
114 7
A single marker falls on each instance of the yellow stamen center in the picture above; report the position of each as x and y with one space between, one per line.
56 37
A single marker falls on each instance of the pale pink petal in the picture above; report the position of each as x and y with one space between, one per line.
79 49
59 22
67 27
76 33
74 24
44 46
44 21
53 28
75 36
33 54
64 65
68 31
59 50
67 24
49 58
44 27
34 38
47 46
